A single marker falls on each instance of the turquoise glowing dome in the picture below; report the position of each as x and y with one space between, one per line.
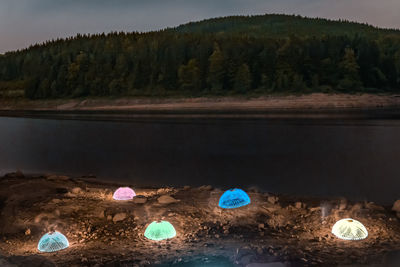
160 231
234 198
51 242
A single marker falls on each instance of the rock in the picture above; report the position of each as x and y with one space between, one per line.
17 174
52 177
187 187
298 205
140 199
206 188
55 200
28 231
396 206
119 217
374 207
166 199
357 207
101 214
76 190
343 204
273 199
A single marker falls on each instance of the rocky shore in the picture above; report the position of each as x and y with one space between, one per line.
274 230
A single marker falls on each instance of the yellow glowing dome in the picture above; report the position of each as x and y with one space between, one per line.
349 229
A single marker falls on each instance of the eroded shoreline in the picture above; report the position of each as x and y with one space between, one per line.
315 101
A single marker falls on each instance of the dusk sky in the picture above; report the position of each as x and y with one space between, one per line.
24 22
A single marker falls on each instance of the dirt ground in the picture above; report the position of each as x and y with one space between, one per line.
263 103
283 230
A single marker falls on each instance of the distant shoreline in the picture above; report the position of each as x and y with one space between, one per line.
208 105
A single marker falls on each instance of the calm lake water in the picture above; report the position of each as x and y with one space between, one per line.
356 158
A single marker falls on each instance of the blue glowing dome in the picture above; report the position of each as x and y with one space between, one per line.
51 242
234 198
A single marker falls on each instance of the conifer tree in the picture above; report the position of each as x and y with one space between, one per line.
216 69
243 79
350 71
189 76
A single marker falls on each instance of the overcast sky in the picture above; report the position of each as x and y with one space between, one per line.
24 22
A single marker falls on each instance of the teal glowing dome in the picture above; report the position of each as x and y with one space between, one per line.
234 198
160 230
52 242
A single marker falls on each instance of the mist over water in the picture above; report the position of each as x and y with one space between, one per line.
358 159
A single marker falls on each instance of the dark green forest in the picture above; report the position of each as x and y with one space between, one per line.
223 56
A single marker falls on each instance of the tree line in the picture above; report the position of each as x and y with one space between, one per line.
183 63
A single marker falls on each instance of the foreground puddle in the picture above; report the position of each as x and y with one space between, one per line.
214 261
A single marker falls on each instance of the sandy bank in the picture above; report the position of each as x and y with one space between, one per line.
265 103
105 232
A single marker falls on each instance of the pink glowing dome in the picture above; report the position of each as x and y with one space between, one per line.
124 193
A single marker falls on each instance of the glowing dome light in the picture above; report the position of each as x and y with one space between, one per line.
349 229
234 198
52 242
160 231
124 193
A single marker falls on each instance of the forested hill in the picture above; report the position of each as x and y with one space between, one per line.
223 56
276 25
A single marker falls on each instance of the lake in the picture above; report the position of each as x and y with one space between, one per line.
356 157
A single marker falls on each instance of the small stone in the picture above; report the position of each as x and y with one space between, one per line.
343 204
28 231
272 199
109 217
76 190
357 207
100 214
206 188
53 177
17 174
166 199
298 205
396 206
119 217
140 199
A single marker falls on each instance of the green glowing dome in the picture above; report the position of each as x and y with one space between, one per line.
160 231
